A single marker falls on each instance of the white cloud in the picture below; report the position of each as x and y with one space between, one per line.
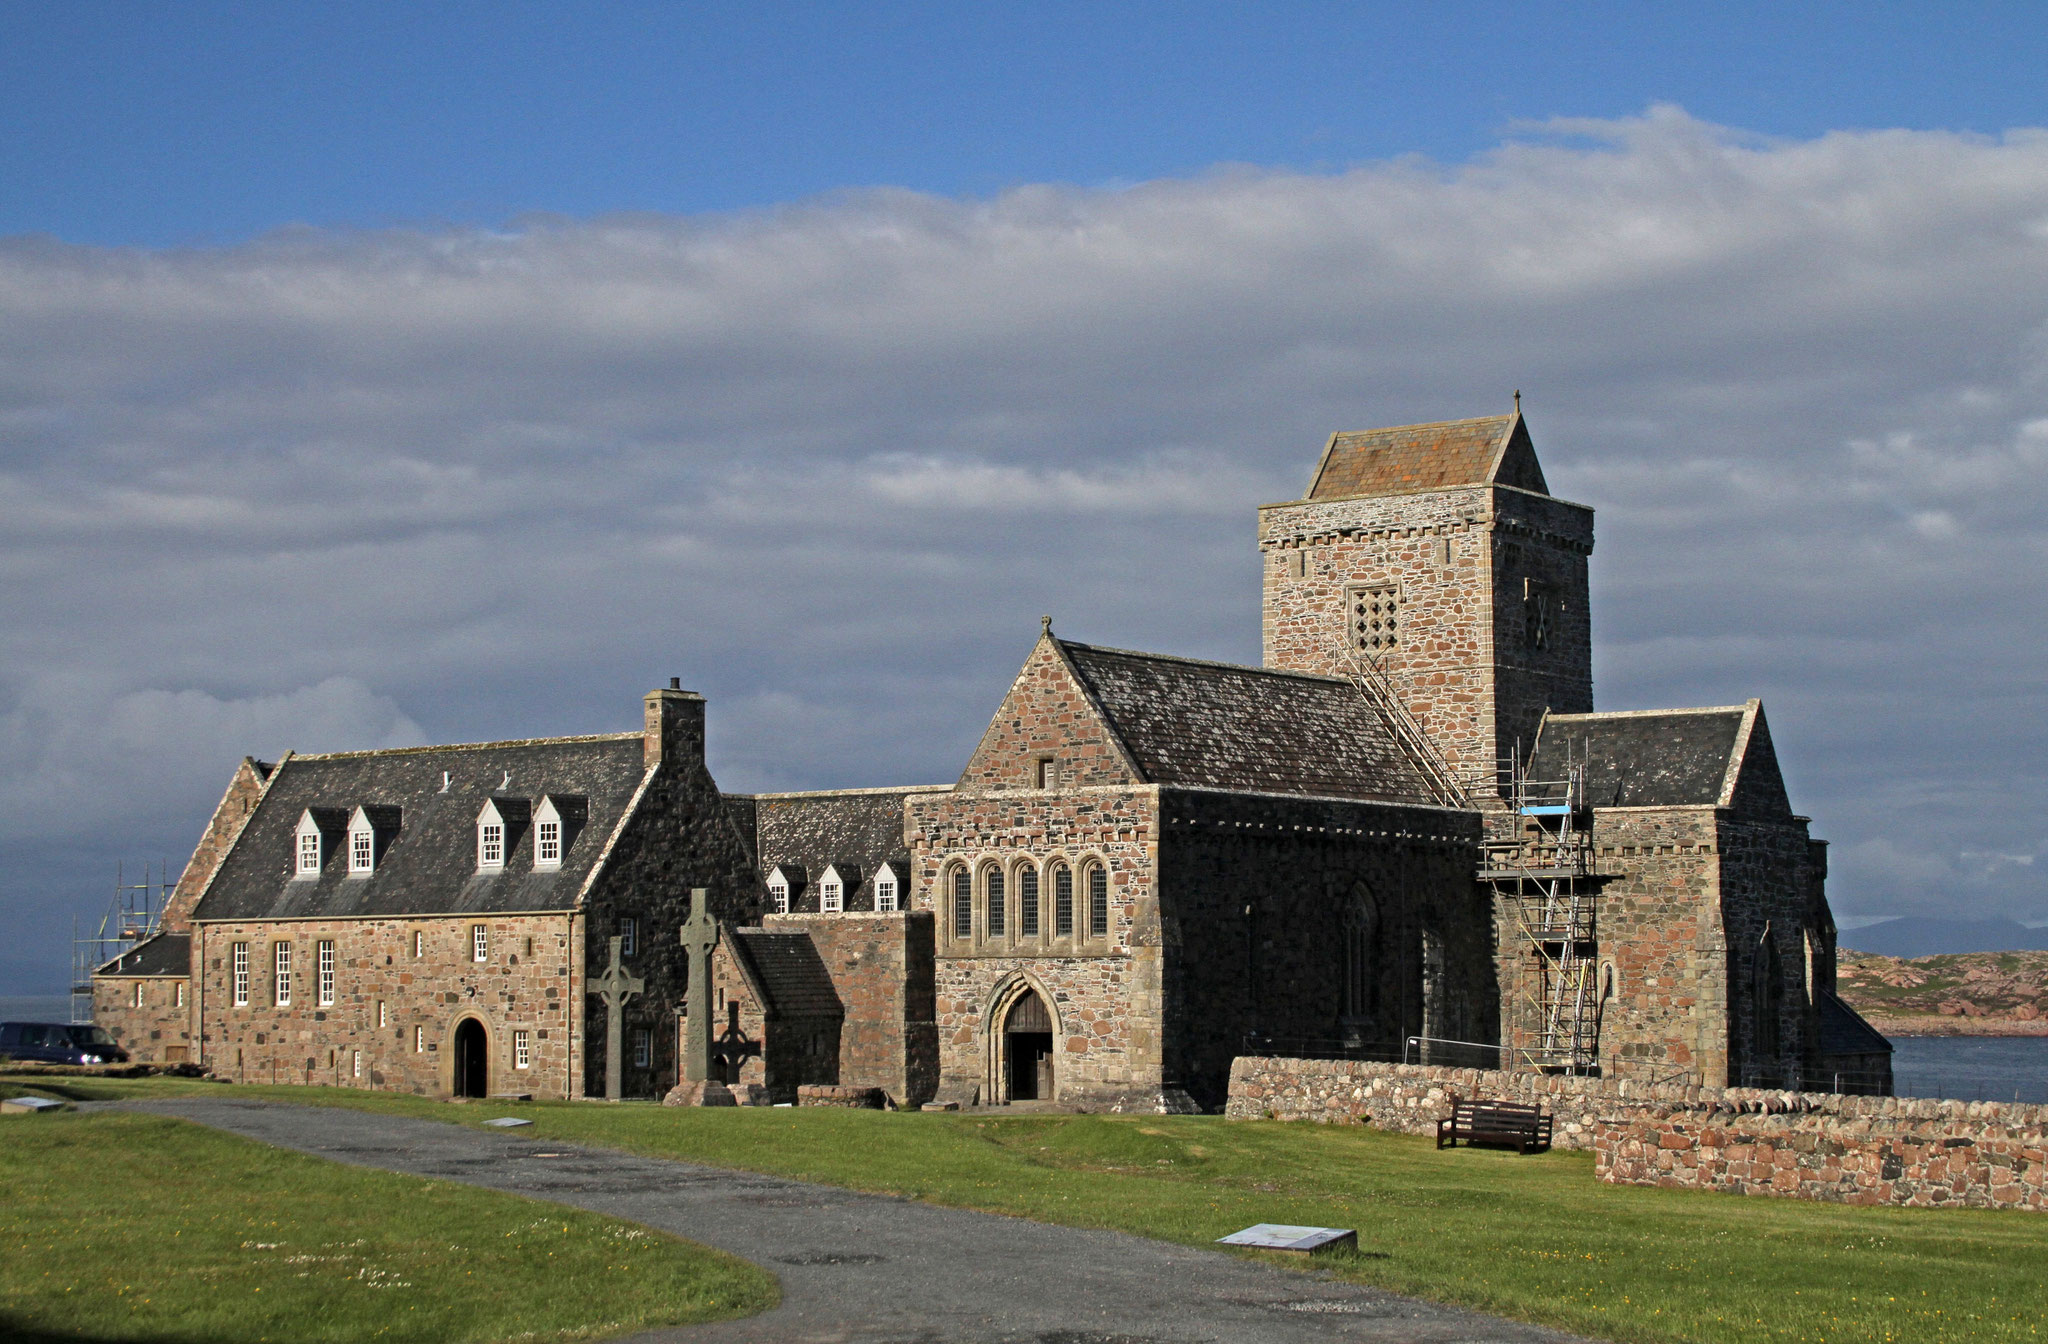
832 461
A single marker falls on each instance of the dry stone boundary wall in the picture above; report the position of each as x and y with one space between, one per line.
1807 1145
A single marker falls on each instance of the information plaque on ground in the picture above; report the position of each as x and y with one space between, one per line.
1287 1237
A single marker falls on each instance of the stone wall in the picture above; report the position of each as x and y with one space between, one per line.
229 817
528 982
881 966
156 1030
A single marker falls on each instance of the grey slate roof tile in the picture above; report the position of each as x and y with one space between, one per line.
165 954
790 972
1219 725
1668 758
429 866
855 830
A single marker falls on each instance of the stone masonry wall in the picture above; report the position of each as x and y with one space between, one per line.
222 829
528 981
1103 993
881 966
158 1030
1766 903
1467 564
1046 716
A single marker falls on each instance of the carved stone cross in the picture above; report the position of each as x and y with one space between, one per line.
700 935
615 986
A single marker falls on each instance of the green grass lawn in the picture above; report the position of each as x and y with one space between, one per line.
1536 1237
136 1227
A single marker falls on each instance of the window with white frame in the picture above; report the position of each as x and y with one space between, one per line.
281 974
522 1052
419 943
356 1062
886 898
362 851
629 936
490 845
831 893
643 1048
1098 901
419 1040
137 1001
479 943
241 975
383 1019
547 844
778 892
324 981
1027 902
311 846
177 993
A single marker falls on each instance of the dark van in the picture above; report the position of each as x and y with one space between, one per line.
59 1043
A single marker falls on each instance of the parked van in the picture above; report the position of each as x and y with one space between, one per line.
59 1043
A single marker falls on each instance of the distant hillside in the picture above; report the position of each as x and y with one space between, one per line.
1955 994
1923 936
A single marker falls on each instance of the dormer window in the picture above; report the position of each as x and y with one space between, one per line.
555 823
547 844
785 883
490 844
888 891
362 851
497 830
309 849
832 892
319 829
369 832
778 894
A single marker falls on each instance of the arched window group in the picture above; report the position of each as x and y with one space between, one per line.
1028 904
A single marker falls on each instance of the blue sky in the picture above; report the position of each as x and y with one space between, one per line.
208 123
376 375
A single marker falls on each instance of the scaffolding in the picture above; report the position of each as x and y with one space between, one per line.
131 917
1370 679
1539 865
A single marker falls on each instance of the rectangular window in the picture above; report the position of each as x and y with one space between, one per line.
281 978
1063 902
1375 610
1098 903
419 943
1027 903
490 845
998 912
362 851
309 851
419 1040
324 989
382 1019
356 1062
522 1052
885 893
831 896
643 1048
241 975
138 995
629 937
479 943
1048 773
778 896
547 842
963 904
177 994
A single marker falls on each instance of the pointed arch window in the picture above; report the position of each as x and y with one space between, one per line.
1361 935
1062 902
996 899
963 903
1027 901
1098 901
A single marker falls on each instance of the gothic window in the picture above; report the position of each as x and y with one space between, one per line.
992 882
1361 935
1539 615
1374 616
963 903
1027 902
1098 901
1063 902
1767 1000
241 961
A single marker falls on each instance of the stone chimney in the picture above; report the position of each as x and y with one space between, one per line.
675 726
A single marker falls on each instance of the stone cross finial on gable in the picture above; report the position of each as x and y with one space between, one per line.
1045 625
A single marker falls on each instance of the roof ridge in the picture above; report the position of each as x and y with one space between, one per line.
464 746
1647 713
1204 662
1427 424
845 793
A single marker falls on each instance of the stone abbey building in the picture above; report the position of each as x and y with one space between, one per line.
1409 831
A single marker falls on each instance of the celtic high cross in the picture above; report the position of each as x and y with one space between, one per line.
700 935
615 986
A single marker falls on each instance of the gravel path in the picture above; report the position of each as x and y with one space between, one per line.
870 1268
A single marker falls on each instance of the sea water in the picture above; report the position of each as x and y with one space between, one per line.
1971 1068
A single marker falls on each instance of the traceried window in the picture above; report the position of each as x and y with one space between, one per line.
1062 902
886 899
1375 612
629 937
643 1048
323 989
1539 615
281 979
547 844
1027 902
241 975
998 912
963 903
1098 901
479 942
522 1051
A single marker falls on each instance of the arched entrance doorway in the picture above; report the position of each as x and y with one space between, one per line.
1027 1049
472 1060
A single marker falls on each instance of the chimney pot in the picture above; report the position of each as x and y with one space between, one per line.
675 683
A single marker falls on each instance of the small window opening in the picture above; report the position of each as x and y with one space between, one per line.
522 1052
643 1048
778 894
479 942
831 896
629 937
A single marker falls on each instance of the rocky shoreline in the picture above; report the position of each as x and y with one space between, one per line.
1956 1026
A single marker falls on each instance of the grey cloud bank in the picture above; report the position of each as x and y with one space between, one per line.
829 464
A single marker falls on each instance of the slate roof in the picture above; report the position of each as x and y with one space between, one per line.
429 866
1252 729
852 828
1493 449
1656 758
1844 1032
165 954
790 972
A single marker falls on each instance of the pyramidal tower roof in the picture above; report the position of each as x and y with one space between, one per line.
1408 459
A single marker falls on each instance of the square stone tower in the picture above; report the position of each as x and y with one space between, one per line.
1437 553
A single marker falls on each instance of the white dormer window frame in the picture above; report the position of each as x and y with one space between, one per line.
778 892
888 890
311 846
547 837
831 893
490 839
362 845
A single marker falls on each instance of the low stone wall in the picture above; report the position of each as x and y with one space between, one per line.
850 1098
1921 1154
1806 1145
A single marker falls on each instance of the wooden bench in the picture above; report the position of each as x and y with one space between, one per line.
1509 1123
